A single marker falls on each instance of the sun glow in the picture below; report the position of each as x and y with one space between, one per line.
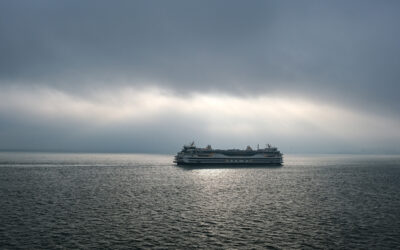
219 114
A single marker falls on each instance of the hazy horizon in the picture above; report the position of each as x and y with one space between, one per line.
150 76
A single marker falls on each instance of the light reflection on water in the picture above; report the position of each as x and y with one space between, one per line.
128 200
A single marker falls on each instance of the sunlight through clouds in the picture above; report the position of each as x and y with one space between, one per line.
222 115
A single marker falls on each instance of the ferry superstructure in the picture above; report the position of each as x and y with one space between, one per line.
192 155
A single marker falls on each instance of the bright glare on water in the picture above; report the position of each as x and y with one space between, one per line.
144 201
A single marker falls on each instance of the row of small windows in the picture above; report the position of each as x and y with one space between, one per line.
238 160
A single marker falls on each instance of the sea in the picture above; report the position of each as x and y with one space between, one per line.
144 201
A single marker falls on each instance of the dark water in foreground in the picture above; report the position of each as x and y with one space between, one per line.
143 201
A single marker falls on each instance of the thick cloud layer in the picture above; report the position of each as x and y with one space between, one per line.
343 54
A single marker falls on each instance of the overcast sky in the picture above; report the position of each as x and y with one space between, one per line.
149 76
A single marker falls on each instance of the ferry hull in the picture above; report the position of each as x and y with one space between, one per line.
253 161
240 165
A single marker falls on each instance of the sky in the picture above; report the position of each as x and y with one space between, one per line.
149 76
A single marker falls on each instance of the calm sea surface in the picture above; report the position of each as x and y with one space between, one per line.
144 201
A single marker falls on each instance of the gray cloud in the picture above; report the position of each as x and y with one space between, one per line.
216 44
344 53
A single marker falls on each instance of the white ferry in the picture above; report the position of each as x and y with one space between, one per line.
192 155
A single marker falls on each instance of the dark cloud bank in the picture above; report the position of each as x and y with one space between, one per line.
342 52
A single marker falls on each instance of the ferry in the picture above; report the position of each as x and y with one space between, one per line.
192 155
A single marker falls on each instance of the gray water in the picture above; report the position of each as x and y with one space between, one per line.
144 201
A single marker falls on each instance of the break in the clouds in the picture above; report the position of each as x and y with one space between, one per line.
146 76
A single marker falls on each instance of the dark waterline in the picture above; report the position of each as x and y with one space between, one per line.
144 201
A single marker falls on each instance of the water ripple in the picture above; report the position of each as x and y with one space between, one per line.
130 201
